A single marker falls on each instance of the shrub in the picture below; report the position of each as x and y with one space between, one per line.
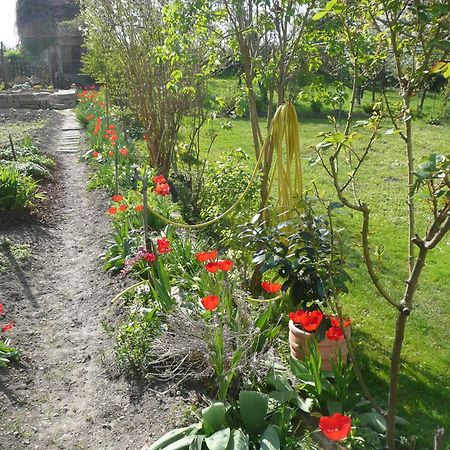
224 182
17 191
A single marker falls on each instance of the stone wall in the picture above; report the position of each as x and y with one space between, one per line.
38 100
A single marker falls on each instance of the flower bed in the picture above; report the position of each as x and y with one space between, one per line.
185 277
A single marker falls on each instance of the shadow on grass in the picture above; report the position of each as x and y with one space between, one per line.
423 399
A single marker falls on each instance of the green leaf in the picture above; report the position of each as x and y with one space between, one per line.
279 381
173 436
253 407
213 418
197 443
270 439
181 444
373 420
334 407
283 396
219 440
239 441
401 421
330 5
318 15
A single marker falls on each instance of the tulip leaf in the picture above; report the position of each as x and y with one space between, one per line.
213 418
181 444
253 407
239 441
197 443
173 436
270 439
374 420
219 440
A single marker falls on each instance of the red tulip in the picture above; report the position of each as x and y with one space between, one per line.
110 153
162 189
335 333
7 327
122 207
112 126
112 210
335 322
225 265
124 151
117 198
89 117
212 267
159 179
1 309
163 245
336 427
206 256
309 320
211 302
150 257
271 288
139 208
95 154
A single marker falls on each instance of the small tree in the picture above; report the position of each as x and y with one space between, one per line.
128 48
413 33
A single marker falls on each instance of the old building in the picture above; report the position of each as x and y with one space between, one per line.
49 31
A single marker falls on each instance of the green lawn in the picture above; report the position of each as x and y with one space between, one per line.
424 384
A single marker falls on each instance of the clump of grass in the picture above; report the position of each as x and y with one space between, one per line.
20 253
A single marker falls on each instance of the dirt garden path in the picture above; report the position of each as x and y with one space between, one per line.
66 393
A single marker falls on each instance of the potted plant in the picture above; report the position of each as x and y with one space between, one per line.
309 257
307 325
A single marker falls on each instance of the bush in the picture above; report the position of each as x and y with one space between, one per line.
224 183
17 191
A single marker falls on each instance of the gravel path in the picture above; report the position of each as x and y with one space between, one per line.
66 393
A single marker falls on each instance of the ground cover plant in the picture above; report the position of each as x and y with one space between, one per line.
21 168
300 265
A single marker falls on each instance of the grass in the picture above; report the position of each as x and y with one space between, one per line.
12 253
424 397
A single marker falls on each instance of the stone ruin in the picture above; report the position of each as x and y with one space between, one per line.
25 97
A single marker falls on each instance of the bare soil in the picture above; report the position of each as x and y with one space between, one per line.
66 392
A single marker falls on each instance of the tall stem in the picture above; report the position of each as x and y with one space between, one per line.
410 156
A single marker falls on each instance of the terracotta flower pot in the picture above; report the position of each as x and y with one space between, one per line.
298 341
